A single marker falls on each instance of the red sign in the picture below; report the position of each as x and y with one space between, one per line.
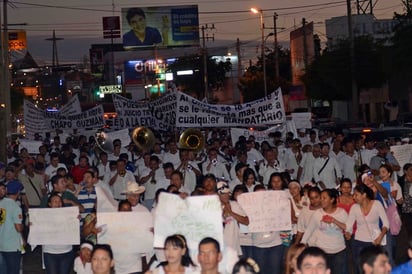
111 27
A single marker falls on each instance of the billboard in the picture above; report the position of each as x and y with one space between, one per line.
160 26
302 51
17 40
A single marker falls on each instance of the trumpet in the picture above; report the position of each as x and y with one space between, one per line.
122 173
214 162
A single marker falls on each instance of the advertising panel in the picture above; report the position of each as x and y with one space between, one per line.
17 40
160 26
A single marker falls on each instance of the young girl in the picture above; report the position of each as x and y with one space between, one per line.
177 257
82 263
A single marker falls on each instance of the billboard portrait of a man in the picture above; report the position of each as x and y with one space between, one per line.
140 34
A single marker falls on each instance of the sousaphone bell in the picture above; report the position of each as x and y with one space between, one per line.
144 138
192 139
103 141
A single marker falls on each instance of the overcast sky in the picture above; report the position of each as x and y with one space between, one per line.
232 19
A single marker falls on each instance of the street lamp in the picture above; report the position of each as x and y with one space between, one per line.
262 29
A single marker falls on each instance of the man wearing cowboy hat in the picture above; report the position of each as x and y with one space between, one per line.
133 192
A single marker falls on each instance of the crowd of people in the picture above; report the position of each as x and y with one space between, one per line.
346 196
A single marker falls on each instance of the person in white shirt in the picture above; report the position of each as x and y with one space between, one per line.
293 158
240 168
213 166
153 181
104 165
242 158
252 153
369 151
302 137
51 170
189 169
172 155
177 180
349 161
118 182
142 165
270 165
305 170
326 170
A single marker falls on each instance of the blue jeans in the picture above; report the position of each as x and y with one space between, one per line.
356 249
58 263
10 262
247 251
338 262
269 259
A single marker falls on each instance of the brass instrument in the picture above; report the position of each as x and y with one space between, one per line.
103 141
144 138
192 139
122 173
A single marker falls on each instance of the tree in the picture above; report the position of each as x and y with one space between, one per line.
329 78
251 83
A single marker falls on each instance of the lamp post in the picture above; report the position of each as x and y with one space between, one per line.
262 29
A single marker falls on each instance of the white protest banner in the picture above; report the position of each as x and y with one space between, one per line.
158 114
31 145
302 119
194 113
92 118
122 135
126 232
195 217
267 210
34 118
402 153
54 226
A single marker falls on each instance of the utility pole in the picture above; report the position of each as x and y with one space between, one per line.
54 39
205 37
275 17
305 44
354 86
239 65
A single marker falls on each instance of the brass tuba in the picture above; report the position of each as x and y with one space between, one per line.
144 138
192 139
103 141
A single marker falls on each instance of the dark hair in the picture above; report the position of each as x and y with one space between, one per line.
123 202
104 247
323 145
209 176
55 179
259 187
238 188
168 165
177 172
154 158
368 255
179 240
247 173
407 166
246 264
210 240
312 251
314 189
388 168
172 189
345 180
277 174
52 195
364 189
332 193
89 172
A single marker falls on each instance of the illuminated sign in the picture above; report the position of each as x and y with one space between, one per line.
160 26
110 89
17 40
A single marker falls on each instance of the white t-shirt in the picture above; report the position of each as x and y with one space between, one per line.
367 226
79 268
329 237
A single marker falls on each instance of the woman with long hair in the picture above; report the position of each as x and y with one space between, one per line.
368 214
102 259
324 234
177 257
249 179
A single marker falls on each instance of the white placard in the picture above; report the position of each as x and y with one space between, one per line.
402 153
106 202
126 232
195 217
54 226
31 145
302 119
267 210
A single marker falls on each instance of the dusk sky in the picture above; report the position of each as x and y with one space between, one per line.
74 19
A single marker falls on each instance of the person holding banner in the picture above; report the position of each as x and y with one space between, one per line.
177 257
57 258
